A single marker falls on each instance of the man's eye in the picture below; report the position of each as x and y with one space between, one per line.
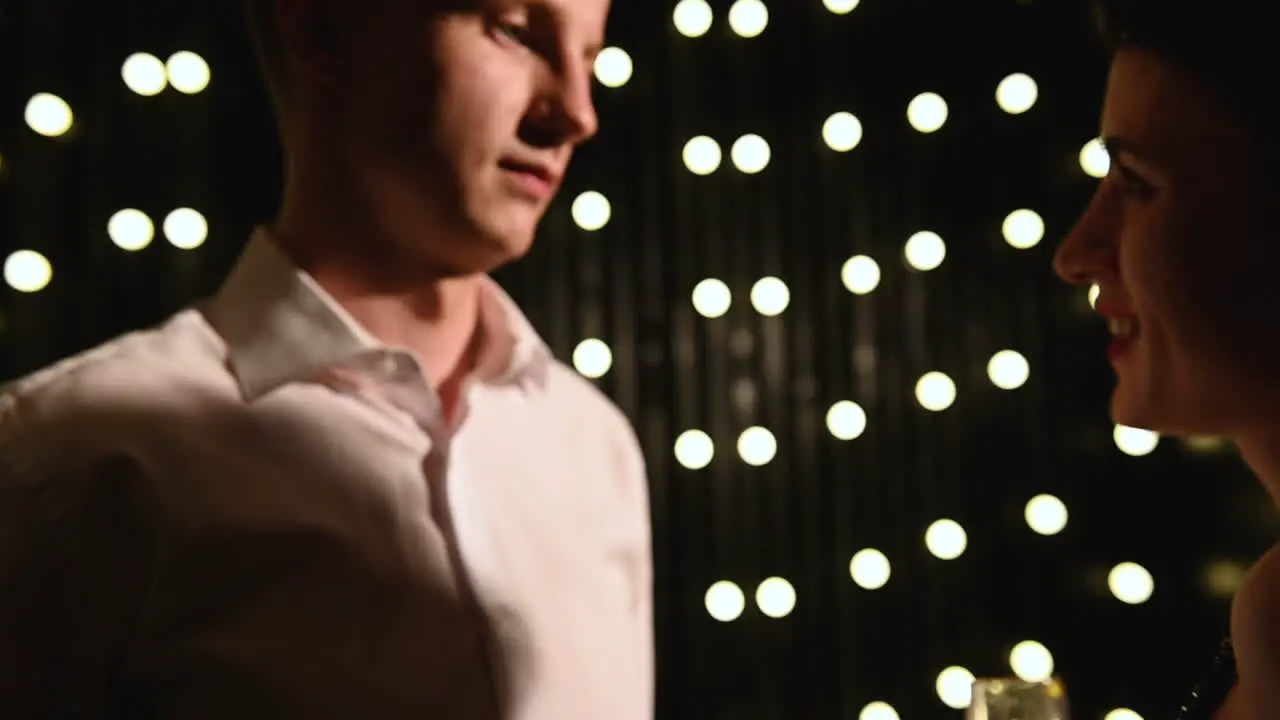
513 31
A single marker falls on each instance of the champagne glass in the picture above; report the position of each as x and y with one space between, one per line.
1016 699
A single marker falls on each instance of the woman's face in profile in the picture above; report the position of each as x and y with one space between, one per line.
1181 237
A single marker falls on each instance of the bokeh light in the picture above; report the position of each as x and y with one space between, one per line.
770 296
1131 583
591 211
946 539
1135 441
842 131
1046 514
1095 161
935 391
694 449
702 155
955 687
725 601
186 229
846 420
613 67
776 597
1017 93
1031 661
927 112
925 251
144 74
592 358
49 115
748 18
131 229
188 72
1008 370
712 298
757 446
692 18
750 154
878 710
860 275
1023 229
27 271
840 7
870 569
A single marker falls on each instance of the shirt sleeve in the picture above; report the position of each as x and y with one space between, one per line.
638 491
645 593
72 572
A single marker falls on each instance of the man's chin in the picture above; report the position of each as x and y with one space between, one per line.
509 244
518 246
489 250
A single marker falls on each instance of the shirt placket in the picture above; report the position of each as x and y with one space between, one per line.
405 389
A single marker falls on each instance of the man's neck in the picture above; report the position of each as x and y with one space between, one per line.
1260 450
437 317
439 322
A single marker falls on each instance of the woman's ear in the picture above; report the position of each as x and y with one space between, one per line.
311 35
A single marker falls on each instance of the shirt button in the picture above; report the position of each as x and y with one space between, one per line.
398 367
386 366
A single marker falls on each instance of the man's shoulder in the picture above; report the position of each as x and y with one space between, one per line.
587 402
141 371
600 429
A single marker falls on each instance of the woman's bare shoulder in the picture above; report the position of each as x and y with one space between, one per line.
1255 633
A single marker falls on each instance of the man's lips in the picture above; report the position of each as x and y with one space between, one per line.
535 180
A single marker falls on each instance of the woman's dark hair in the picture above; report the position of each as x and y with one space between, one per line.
1230 44
260 18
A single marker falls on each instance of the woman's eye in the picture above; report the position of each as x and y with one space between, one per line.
1133 183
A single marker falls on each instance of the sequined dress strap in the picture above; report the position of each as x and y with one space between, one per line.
1208 695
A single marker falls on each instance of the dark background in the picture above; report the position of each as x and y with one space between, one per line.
1193 518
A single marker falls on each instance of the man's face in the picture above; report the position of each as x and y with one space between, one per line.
1180 239
458 119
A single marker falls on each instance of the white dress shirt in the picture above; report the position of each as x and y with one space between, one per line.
254 510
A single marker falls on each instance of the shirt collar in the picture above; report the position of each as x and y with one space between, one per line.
280 326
